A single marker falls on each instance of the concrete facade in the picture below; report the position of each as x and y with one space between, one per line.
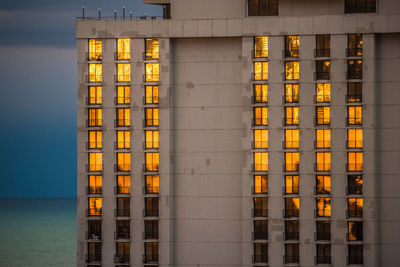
206 132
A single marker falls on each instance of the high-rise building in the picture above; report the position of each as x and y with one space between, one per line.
240 133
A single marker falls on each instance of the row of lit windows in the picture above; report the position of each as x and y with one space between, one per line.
123 117
123 95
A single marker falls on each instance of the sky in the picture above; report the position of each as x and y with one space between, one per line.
38 92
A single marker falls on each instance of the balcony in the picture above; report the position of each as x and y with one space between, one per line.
263 258
260 235
291 167
322 75
94 190
354 189
93 258
150 123
94 78
150 100
151 167
354 167
322 259
121 258
122 167
260 212
322 167
122 56
289 213
150 258
122 235
355 213
354 52
150 235
122 190
259 189
122 212
150 189
94 123
94 100
122 100
150 212
287 259
291 53
122 78
94 167
94 145
93 235
259 100
290 144
122 123
291 236
322 52
94 212
260 167
260 121
322 236
93 56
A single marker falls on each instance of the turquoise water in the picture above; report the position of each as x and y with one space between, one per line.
37 232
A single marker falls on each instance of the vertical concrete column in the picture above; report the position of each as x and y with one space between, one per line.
137 148
276 155
247 137
307 154
338 148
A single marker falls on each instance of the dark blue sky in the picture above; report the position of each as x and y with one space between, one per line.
38 92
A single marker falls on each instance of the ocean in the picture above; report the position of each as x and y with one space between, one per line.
37 232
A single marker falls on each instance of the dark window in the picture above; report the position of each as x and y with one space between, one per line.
94 229
354 184
359 6
355 254
263 7
122 229
151 229
261 229
260 207
123 252
323 45
292 253
354 69
260 253
323 70
94 251
151 206
123 206
354 92
355 207
291 230
167 11
323 253
292 207
323 230
355 231
355 45
150 252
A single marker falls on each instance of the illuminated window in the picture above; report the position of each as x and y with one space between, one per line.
260 184
355 45
261 161
95 206
260 93
152 49
95 72
260 229
95 162
152 72
323 253
123 251
355 161
95 139
355 115
123 72
355 254
260 46
152 139
355 231
354 69
354 138
323 230
323 69
123 94
261 71
291 184
323 92
123 206
123 117
323 115
150 252
292 44
123 139
323 207
360 6
292 230
124 162
151 206
152 162
323 184
260 207
152 184
95 49
292 253
95 95
323 138
95 116
323 45
354 184
124 184
263 7
292 93
260 138
292 207
95 184
151 117
292 161
323 161
151 94
355 207
292 70
354 92
292 138
292 115
123 49
260 116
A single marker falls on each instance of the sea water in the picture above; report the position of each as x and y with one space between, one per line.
37 232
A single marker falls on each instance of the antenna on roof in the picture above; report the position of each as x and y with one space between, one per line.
99 13
130 15
83 13
115 14
123 13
